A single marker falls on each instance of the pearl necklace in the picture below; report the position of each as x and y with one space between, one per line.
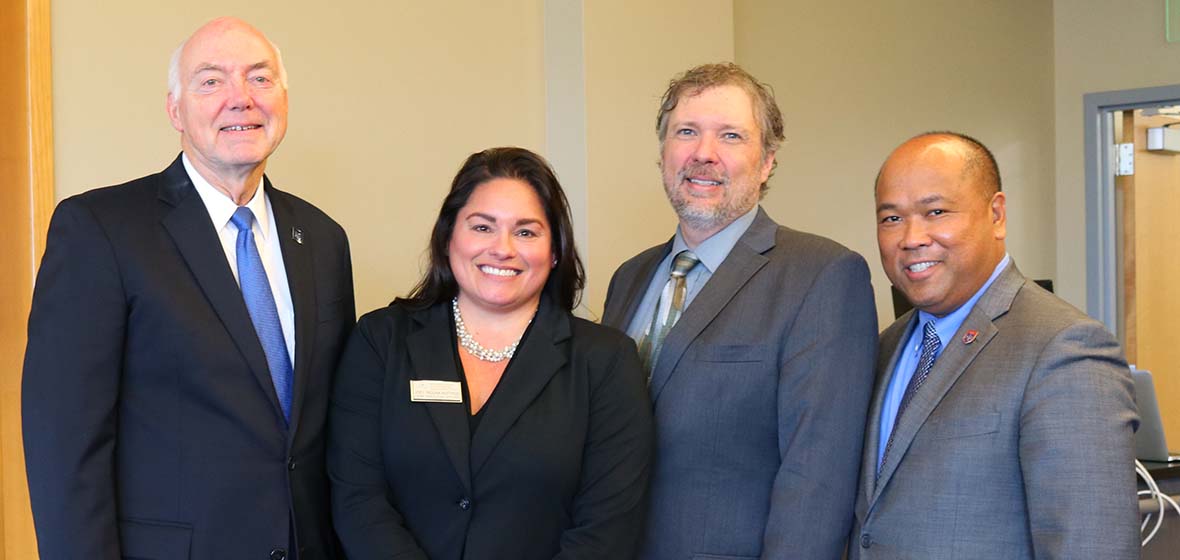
476 349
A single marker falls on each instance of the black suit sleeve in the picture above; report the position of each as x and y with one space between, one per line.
70 388
367 523
609 508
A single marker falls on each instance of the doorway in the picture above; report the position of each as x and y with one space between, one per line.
1133 231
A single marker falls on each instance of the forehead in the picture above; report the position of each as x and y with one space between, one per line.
505 197
727 104
925 171
227 47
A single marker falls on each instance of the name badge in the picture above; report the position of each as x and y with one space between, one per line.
427 390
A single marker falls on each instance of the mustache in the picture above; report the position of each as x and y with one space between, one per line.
702 171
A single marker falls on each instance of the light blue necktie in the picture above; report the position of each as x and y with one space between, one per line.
263 312
930 346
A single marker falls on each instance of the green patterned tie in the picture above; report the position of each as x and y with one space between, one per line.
668 310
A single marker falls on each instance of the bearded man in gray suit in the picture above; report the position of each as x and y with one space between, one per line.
1002 420
759 343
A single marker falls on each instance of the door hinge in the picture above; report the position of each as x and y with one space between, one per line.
1124 158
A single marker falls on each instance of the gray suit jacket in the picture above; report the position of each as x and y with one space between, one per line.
1019 445
760 393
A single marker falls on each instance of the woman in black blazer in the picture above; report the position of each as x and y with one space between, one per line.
477 418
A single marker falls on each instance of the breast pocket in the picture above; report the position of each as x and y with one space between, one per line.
970 426
732 353
332 310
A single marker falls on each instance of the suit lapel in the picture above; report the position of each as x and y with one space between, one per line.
620 314
744 260
955 358
539 358
191 230
886 362
301 283
432 357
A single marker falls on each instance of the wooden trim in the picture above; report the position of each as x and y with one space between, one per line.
1126 184
26 163
41 120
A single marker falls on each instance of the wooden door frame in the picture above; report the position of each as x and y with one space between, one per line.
26 148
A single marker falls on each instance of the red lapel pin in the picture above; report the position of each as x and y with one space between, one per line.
970 336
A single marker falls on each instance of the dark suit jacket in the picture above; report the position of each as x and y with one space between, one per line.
151 425
1019 444
760 394
557 468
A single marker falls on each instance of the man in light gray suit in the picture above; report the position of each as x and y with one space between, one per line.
760 387
1002 420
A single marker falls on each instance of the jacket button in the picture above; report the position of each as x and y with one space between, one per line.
278 554
866 540
290 463
464 504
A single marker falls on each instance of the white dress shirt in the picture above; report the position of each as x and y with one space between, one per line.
221 208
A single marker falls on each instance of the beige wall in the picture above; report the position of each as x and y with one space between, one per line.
1099 46
387 99
855 83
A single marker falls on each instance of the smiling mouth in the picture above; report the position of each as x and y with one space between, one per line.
240 127
919 267
704 182
486 269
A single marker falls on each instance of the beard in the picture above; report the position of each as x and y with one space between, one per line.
703 213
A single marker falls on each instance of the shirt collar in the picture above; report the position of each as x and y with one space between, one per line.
948 324
712 251
221 207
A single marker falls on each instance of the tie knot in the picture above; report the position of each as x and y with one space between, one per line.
930 335
243 218
684 263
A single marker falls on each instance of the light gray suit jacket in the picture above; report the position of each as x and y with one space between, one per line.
760 393
1019 445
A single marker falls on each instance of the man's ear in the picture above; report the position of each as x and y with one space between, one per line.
173 107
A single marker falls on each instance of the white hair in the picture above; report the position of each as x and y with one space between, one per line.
174 68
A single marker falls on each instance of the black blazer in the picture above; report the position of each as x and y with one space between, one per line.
558 467
151 425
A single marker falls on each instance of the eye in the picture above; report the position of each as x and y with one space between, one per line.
210 82
686 132
891 220
731 136
481 228
937 212
526 233
261 79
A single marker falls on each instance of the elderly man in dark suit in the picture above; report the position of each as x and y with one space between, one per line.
758 341
183 332
1002 420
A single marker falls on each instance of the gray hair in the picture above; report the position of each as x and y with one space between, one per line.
174 68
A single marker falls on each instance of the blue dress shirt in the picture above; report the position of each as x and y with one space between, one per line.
712 252
946 326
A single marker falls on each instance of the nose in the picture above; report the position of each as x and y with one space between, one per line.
504 246
915 235
238 95
705 150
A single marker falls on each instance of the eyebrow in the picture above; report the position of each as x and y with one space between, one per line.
492 219
210 67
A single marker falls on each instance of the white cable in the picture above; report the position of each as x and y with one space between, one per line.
1161 499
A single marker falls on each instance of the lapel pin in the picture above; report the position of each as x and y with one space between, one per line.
970 336
297 235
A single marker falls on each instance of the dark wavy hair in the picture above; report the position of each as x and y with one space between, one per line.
565 282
